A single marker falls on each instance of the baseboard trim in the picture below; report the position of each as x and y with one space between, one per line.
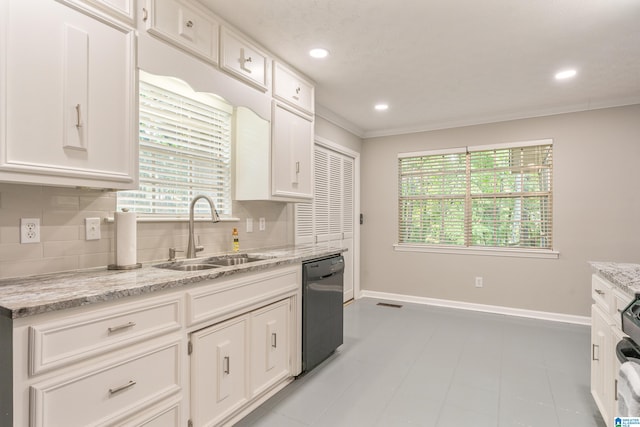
496 309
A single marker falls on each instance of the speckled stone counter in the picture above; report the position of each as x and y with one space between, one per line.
28 296
625 276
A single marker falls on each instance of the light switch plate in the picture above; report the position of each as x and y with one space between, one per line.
249 225
92 228
263 224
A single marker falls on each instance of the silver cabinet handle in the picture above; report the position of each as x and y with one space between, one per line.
189 24
243 60
599 292
226 365
297 167
274 340
78 119
296 97
615 390
145 14
121 327
113 391
593 352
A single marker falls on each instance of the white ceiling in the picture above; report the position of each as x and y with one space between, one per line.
445 63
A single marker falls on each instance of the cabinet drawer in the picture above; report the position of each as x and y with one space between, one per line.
185 26
243 59
76 337
161 416
292 88
602 293
109 393
222 299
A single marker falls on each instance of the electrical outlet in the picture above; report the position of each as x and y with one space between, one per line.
92 228
478 282
249 225
29 230
263 224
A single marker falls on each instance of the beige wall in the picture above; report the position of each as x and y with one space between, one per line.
596 214
327 130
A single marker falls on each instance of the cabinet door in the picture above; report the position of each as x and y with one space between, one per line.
243 59
184 25
291 88
601 353
121 9
269 346
69 94
292 154
218 371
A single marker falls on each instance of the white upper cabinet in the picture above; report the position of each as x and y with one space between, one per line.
121 9
277 168
69 97
292 88
292 153
184 24
243 59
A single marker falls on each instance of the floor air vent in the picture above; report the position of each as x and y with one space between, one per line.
386 304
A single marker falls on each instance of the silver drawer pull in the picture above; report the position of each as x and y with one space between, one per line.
593 352
113 391
226 365
599 292
121 327
189 24
274 340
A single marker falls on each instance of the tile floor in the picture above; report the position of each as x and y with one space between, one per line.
430 366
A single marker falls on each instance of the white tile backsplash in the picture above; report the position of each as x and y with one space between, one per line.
63 247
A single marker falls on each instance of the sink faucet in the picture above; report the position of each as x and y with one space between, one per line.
192 249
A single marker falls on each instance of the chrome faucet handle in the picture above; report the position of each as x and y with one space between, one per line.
172 254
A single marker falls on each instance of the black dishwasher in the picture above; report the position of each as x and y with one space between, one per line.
322 316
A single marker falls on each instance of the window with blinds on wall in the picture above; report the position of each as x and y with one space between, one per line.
489 196
185 150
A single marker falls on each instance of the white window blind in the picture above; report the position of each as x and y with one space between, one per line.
185 150
499 196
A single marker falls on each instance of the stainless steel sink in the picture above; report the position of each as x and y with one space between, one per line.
190 267
233 260
196 264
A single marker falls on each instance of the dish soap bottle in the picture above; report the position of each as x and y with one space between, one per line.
236 242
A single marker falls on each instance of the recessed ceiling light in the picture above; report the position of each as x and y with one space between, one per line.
565 74
318 53
381 107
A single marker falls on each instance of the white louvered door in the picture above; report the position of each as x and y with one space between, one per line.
330 217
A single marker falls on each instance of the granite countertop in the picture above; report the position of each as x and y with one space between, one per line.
28 296
624 276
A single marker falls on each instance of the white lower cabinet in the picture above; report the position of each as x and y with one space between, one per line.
249 349
270 346
605 334
108 393
203 355
218 371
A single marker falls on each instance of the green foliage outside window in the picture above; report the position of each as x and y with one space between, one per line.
491 198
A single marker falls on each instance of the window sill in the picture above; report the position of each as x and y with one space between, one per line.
143 218
501 252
